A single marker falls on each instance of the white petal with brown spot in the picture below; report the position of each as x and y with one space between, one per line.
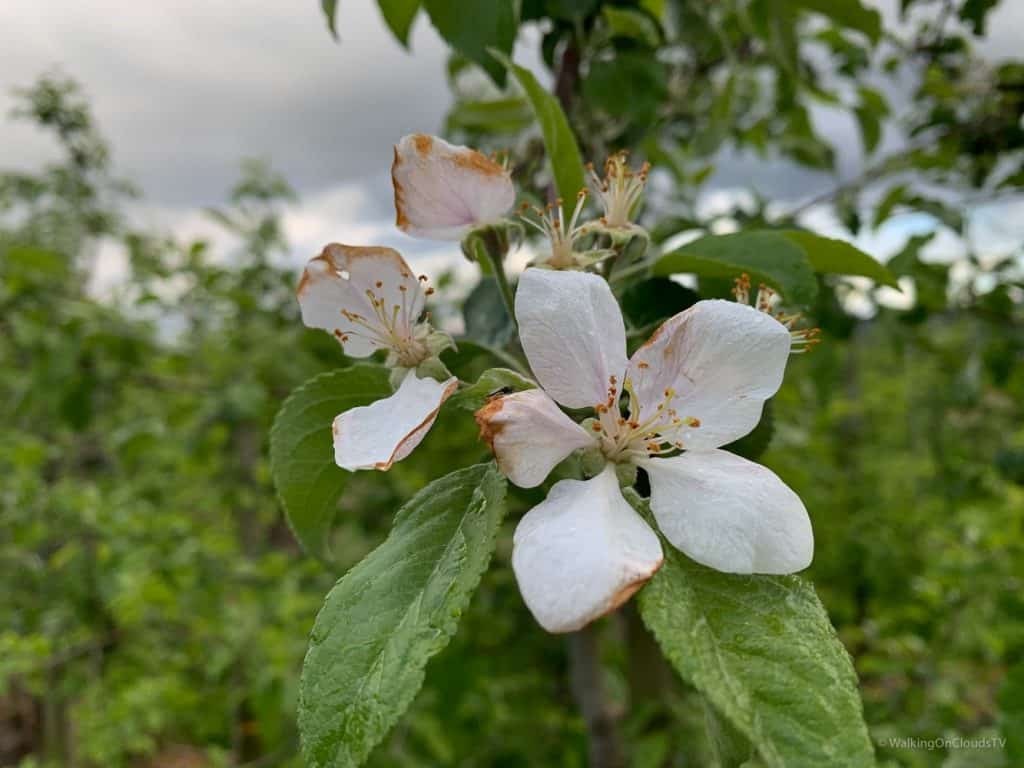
377 435
442 191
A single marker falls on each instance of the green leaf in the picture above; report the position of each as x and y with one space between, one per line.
636 73
330 8
506 115
785 259
931 281
944 213
31 259
888 203
767 256
873 100
655 299
473 26
730 747
469 359
870 128
827 255
851 14
909 257
1011 712
399 15
385 619
559 140
570 10
487 320
873 107
308 481
763 652
975 12
491 382
655 7
627 22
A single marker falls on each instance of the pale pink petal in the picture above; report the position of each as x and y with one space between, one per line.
729 513
368 298
377 435
572 332
582 552
529 435
443 191
722 360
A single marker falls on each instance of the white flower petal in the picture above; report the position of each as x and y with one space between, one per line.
366 297
582 552
572 332
722 359
442 191
377 435
729 513
529 435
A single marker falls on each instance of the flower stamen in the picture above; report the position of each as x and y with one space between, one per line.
741 289
620 189
803 339
551 223
393 328
630 438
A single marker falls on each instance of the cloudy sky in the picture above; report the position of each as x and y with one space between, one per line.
184 90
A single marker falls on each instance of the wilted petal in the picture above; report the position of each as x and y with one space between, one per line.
572 332
367 297
442 191
529 435
377 435
582 553
722 359
729 513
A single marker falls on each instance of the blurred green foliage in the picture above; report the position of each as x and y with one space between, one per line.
155 605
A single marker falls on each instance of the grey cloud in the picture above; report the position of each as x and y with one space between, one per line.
185 90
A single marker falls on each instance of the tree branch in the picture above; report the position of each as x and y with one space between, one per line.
604 746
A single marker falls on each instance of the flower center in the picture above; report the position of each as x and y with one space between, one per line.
620 189
634 436
391 326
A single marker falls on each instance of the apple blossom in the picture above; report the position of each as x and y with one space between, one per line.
369 300
700 382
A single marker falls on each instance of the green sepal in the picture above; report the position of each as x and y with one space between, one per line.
493 382
625 472
492 241
592 460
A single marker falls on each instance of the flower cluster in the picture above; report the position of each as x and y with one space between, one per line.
369 299
698 384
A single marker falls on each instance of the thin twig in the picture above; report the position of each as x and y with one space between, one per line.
497 262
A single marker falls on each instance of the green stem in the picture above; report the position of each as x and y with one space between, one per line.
497 262
512 361
632 269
